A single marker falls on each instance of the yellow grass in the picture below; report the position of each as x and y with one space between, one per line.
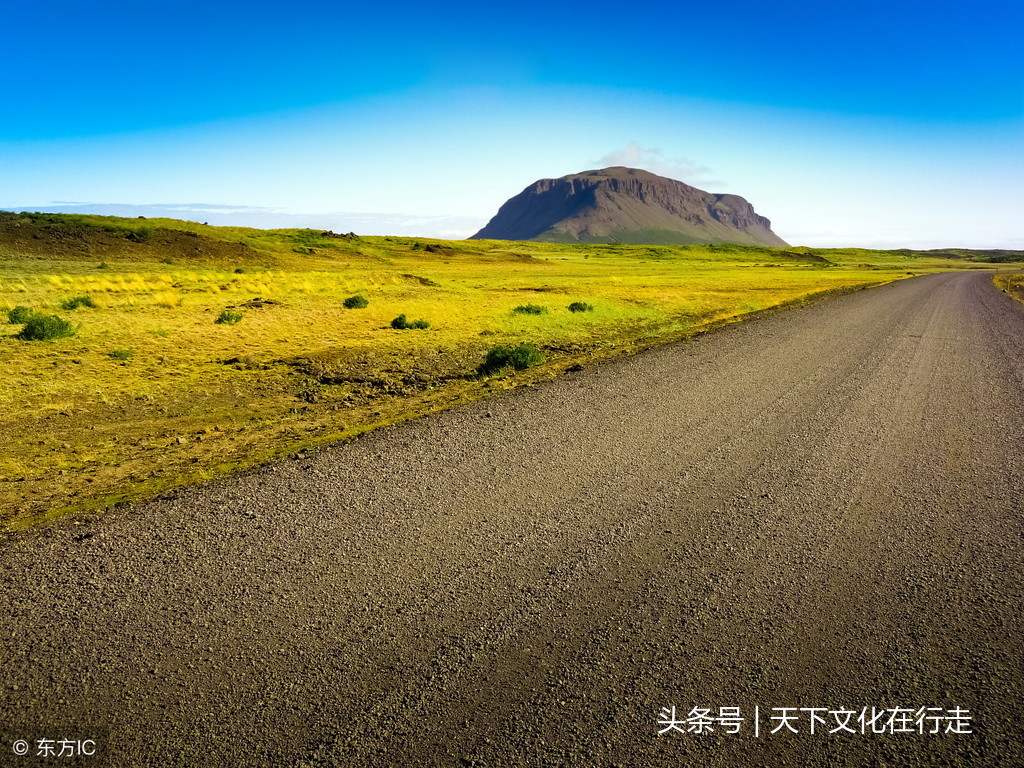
1012 283
81 429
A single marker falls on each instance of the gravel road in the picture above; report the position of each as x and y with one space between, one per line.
819 508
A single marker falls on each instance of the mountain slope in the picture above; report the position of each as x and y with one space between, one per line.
626 205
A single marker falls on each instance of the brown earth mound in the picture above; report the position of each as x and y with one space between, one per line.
63 236
627 205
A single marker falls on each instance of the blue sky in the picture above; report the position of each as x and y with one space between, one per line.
876 124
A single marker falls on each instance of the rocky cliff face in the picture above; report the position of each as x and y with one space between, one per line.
626 205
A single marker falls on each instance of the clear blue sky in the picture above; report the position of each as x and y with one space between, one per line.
870 123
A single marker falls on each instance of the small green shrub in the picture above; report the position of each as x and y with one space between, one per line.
77 301
228 317
580 306
530 309
402 323
519 357
356 302
122 354
46 327
20 314
140 235
103 265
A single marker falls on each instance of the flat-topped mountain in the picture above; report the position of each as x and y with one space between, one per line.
626 205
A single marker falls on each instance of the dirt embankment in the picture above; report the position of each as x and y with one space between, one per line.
1011 283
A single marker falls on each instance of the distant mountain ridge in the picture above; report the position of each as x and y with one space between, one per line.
627 205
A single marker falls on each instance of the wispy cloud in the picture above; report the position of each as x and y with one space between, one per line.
656 161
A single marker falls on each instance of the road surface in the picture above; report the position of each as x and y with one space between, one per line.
821 508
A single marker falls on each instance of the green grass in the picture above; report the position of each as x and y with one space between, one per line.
504 358
78 301
580 306
19 315
229 317
402 323
45 328
356 302
529 309
76 428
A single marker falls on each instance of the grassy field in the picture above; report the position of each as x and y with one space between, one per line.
152 393
1012 283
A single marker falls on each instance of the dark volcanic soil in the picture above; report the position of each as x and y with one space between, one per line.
821 508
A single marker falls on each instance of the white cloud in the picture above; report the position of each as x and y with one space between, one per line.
656 161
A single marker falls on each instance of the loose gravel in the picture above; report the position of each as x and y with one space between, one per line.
820 508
